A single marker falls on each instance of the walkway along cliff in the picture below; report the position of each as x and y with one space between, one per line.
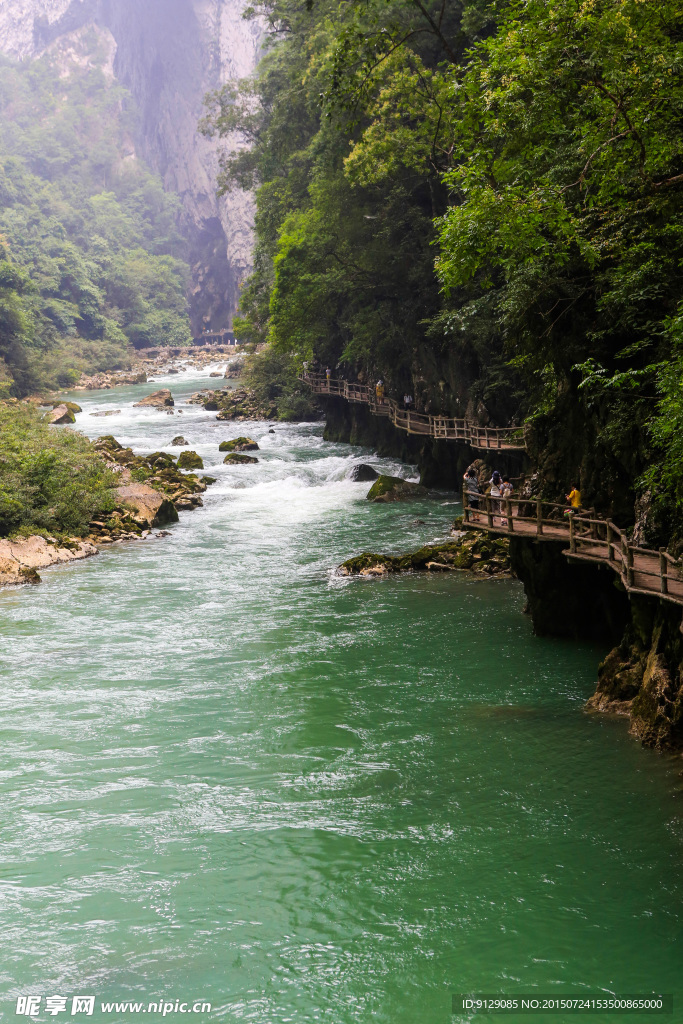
583 576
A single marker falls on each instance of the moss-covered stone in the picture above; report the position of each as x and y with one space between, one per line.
29 574
71 406
455 554
237 459
159 460
393 488
238 444
190 460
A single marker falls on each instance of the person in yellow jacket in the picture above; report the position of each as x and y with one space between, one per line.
574 499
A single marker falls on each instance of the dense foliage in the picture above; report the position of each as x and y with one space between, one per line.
272 377
89 235
484 202
51 479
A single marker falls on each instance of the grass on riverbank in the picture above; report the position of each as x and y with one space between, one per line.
51 479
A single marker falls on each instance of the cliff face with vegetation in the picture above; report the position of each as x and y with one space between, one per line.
483 205
167 54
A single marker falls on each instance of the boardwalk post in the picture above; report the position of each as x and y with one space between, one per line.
539 517
663 568
508 513
629 564
572 537
609 542
489 513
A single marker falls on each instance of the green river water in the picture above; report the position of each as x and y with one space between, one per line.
229 775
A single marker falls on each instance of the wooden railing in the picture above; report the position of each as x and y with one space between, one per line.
447 427
588 538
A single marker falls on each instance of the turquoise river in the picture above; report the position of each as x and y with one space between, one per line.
229 775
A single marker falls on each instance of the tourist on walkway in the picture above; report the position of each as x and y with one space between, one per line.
379 390
495 492
574 499
506 490
471 488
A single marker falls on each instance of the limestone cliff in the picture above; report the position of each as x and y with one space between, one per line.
169 53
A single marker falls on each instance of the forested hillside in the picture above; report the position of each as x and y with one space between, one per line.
482 203
91 262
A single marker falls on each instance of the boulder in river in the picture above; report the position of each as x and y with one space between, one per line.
216 374
60 414
179 441
482 555
363 472
107 412
149 505
236 458
157 400
72 406
190 460
238 444
393 488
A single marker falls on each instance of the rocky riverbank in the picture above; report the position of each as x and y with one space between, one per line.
151 362
151 492
21 558
172 491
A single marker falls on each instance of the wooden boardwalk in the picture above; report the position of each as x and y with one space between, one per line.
447 428
588 539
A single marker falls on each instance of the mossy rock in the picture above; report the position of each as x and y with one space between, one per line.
108 441
239 444
448 555
463 560
190 460
393 488
71 406
160 460
237 459
369 560
209 479
29 574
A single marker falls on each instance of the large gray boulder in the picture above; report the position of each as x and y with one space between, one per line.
363 472
157 400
